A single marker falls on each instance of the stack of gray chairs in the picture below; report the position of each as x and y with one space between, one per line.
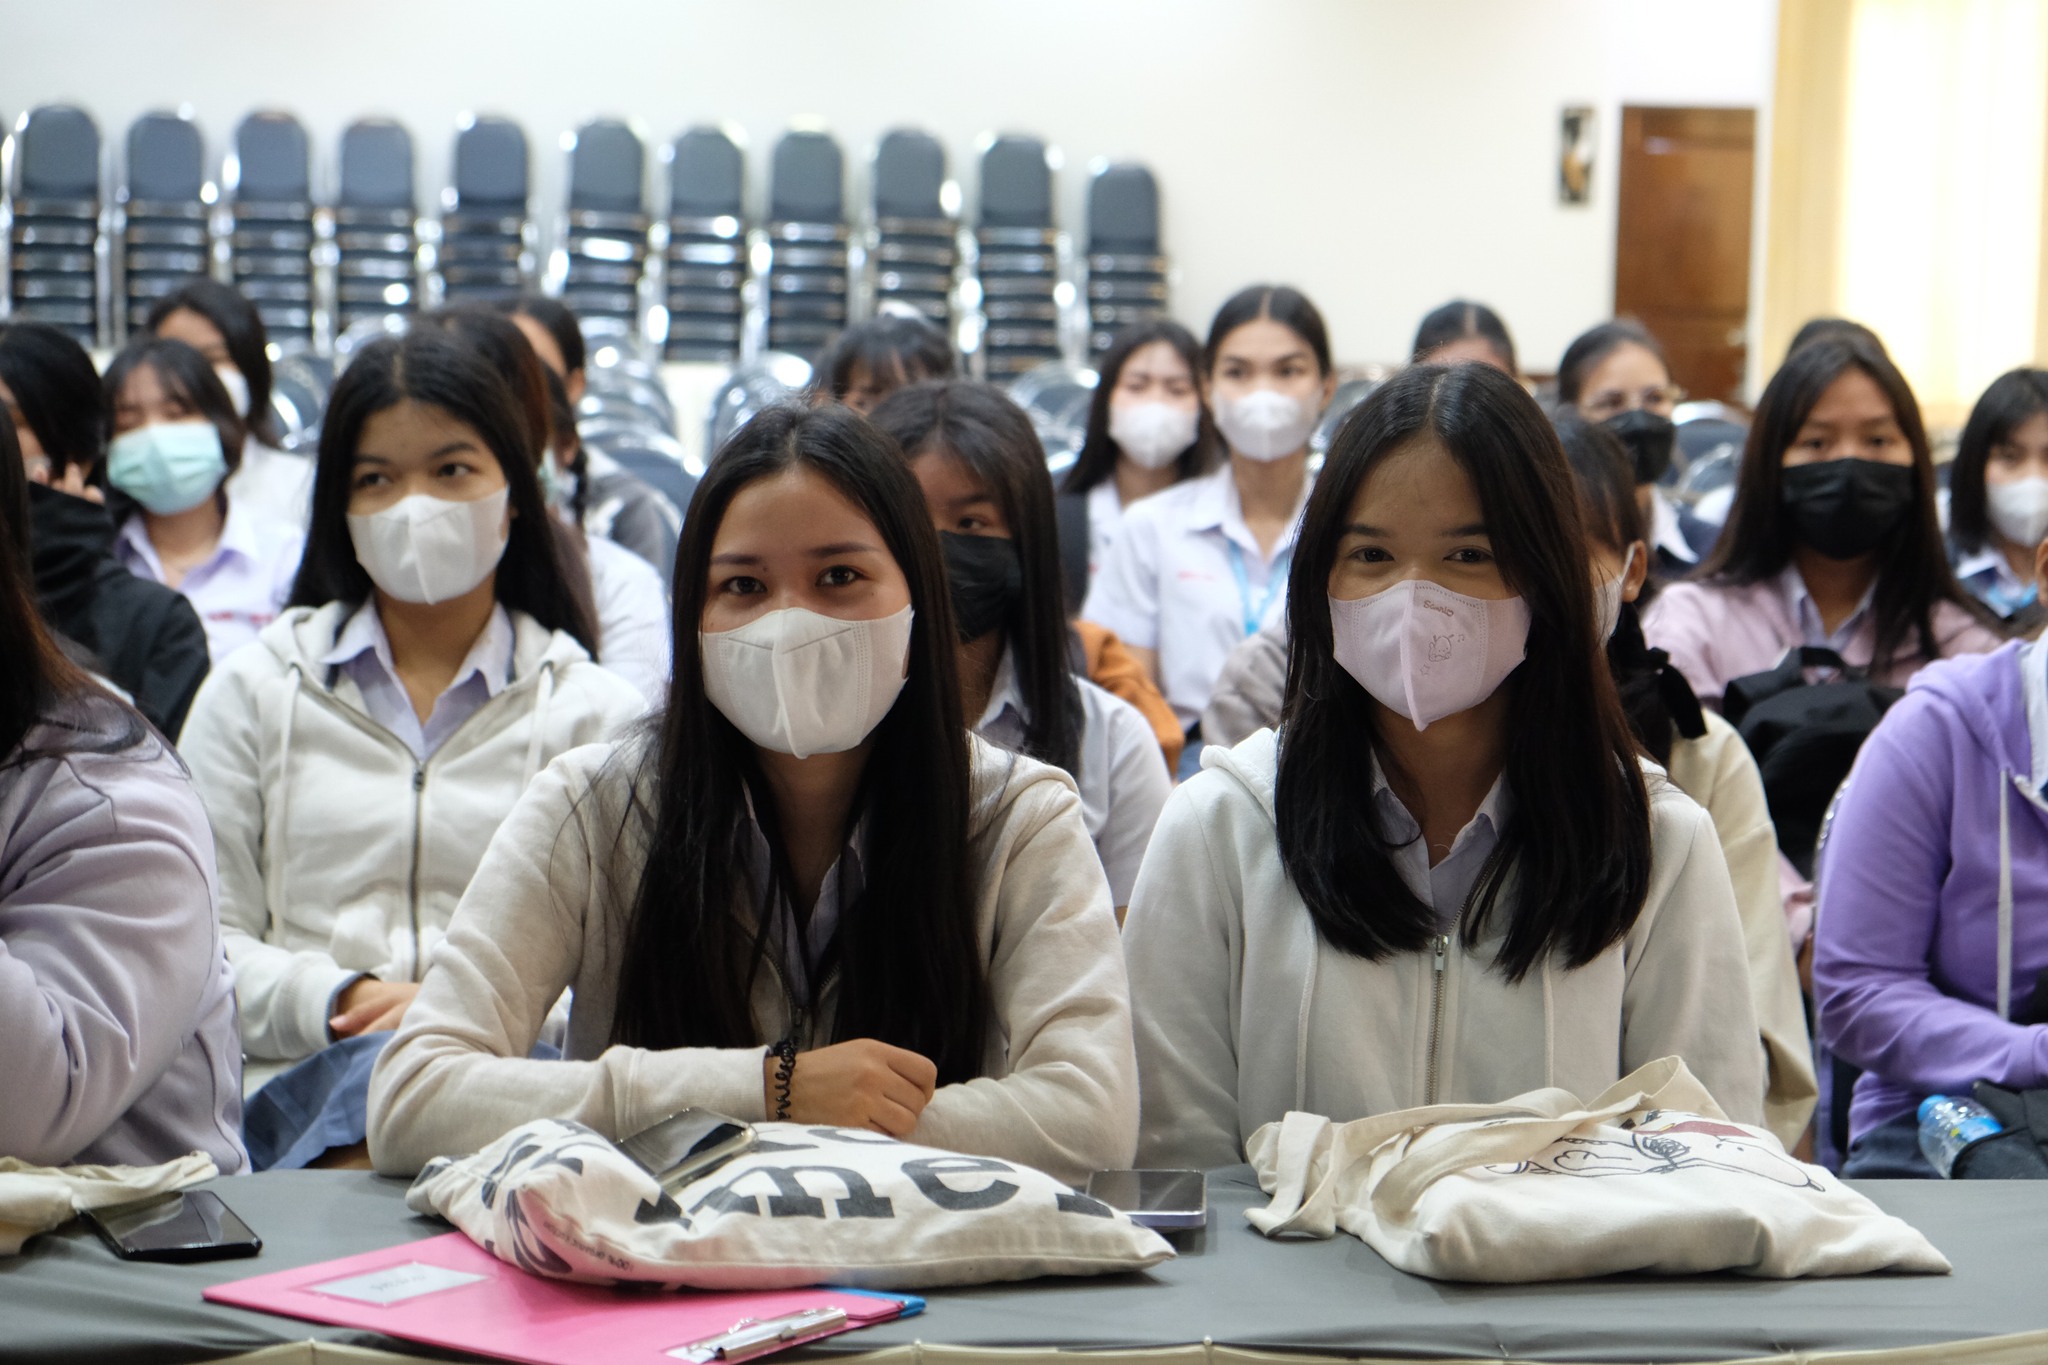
1019 258
486 234
162 212
376 225
269 188
54 207
1126 272
805 282
605 241
707 247
916 237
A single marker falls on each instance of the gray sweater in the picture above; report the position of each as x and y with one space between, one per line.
116 1002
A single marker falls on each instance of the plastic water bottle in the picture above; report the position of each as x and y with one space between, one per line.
1949 1124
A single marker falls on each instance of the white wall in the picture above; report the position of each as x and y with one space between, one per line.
1385 155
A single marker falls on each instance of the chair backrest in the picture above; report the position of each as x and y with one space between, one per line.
607 168
910 174
166 159
274 160
58 154
1016 184
490 164
706 176
376 165
1123 211
807 179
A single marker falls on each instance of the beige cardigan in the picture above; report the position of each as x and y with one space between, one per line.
546 911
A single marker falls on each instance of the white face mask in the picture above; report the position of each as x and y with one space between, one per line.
1152 433
237 386
425 549
2019 510
799 683
1265 424
1425 652
1607 599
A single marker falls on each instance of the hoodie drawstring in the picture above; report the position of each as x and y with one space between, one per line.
2005 781
1308 997
1549 1030
276 850
540 722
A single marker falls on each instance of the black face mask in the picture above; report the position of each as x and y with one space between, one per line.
1649 438
985 580
1846 508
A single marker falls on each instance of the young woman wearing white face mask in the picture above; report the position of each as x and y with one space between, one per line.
1998 496
176 445
215 320
1197 569
812 895
1448 878
358 759
1148 430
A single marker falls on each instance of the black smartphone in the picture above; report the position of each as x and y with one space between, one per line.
1156 1198
687 1144
190 1226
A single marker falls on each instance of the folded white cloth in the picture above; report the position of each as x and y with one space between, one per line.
36 1199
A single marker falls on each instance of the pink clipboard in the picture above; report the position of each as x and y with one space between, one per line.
447 1291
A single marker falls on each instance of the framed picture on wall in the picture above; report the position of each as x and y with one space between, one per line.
1575 154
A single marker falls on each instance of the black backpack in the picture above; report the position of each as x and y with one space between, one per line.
1805 736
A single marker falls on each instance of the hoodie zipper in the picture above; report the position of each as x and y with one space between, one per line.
1436 996
412 887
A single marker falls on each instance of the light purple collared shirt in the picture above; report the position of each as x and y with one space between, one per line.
240 588
1446 887
363 652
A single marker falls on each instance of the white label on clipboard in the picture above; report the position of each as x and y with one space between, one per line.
396 1284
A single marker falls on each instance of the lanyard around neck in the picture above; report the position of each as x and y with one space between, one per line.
1276 583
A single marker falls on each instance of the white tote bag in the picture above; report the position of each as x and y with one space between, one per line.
1651 1176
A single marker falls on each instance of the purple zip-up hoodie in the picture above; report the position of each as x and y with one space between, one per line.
118 1042
1933 920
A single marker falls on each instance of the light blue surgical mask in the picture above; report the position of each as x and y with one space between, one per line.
168 467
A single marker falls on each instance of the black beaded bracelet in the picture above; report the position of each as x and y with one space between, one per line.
785 1073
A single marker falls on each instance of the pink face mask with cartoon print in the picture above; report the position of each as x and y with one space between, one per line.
1425 652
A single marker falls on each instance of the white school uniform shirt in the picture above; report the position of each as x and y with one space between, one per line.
632 617
1665 532
363 651
1105 519
275 482
1186 578
241 587
1123 779
1989 577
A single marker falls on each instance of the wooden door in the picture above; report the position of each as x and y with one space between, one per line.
1681 258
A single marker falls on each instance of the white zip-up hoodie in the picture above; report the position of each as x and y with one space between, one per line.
340 853
1243 1012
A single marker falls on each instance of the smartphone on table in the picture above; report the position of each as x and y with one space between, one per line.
1155 1198
192 1225
687 1144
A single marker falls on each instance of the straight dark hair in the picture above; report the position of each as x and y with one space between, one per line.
1594 345
1458 320
57 392
241 327
554 316
978 425
505 348
442 371
1283 304
1759 540
1097 460
1576 851
1605 479
1821 329
894 348
911 971
2004 408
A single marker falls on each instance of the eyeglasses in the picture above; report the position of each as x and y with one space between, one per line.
1612 402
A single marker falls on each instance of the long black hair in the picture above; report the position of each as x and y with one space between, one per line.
911 971
1577 845
556 320
894 348
1594 345
1913 570
440 370
241 327
57 392
979 426
1458 320
1097 460
2012 399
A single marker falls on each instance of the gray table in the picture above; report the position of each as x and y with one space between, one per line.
68 1299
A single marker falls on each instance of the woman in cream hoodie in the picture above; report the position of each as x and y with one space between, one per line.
357 758
1448 878
812 895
